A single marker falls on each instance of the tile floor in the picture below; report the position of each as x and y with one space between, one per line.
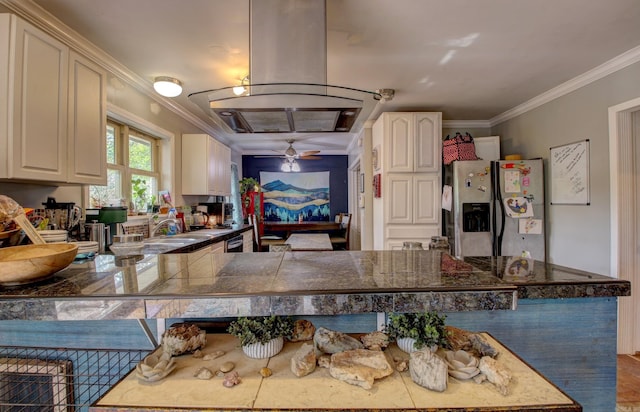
628 385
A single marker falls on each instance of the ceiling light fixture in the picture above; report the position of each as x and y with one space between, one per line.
290 165
242 89
167 86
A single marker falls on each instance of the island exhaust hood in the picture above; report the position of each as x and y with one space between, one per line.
287 90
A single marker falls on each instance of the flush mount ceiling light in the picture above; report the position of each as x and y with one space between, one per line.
167 86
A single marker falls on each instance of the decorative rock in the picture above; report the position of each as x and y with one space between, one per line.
402 365
197 354
153 367
496 373
183 338
213 355
458 338
303 361
482 347
231 379
375 340
324 361
227 367
203 373
330 341
360 367
265 372
428 370
302 330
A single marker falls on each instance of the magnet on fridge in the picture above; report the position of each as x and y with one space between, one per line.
482 188
467 182
471 174
525 181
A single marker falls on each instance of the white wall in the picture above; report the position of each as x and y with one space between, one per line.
578 236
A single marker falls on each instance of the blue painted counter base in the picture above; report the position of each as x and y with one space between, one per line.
570 341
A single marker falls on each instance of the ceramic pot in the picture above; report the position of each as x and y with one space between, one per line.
264 350
406 345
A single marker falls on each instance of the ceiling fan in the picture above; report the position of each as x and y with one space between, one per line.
291 154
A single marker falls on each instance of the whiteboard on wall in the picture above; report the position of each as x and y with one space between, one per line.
569 165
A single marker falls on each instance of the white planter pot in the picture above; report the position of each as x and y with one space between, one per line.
264 350
406 344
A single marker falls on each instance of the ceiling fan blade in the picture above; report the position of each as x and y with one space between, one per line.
269 156
309 153
311 157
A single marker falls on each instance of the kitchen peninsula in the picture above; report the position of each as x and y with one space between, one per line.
560 321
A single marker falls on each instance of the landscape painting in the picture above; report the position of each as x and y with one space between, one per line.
287 195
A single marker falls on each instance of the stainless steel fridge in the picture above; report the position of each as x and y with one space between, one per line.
496 208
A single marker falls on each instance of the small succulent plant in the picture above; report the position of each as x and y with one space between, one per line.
260 329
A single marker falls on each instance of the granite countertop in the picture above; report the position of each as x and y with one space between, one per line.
203 284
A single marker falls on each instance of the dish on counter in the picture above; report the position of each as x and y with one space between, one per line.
32 263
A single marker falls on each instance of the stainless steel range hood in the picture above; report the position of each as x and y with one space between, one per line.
287 91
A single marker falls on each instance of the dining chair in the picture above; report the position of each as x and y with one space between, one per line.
341 240
264 241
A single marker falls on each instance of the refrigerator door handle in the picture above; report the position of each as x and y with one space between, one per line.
495 174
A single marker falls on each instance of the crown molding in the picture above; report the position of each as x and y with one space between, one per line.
43 20
617 63
465 124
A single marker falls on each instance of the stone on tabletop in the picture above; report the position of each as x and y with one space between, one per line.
231 379
197 354
324 360
360 367
227 367
183 338
213 355
459 339
303 362
203 373
375 340
481 346
302 330
265 372
428 370
330 341
496 373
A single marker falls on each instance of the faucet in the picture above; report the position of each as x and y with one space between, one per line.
158 225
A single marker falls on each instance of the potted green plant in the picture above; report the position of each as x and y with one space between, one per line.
261 336
414 331
249 184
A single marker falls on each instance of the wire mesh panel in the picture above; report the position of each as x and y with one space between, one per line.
60 380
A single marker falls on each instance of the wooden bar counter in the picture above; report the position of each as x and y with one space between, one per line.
318 391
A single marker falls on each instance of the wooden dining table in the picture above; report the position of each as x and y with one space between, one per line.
304 226
309 242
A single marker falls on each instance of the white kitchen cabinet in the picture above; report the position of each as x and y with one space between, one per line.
52 106
412 141
87 148
206 166
408 209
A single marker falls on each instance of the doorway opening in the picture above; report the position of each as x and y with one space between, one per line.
624 167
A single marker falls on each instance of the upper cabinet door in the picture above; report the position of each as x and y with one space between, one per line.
399 131
428 142
37 104
87 121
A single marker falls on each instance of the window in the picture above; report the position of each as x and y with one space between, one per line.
132 169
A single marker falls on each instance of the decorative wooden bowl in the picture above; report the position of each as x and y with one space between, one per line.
32 263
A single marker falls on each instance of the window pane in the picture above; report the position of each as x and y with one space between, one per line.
142 190
140 154
100 196
111 144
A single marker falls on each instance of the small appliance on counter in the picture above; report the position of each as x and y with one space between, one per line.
220 213
111 216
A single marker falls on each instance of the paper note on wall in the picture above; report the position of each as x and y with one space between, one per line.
530 226
512 181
